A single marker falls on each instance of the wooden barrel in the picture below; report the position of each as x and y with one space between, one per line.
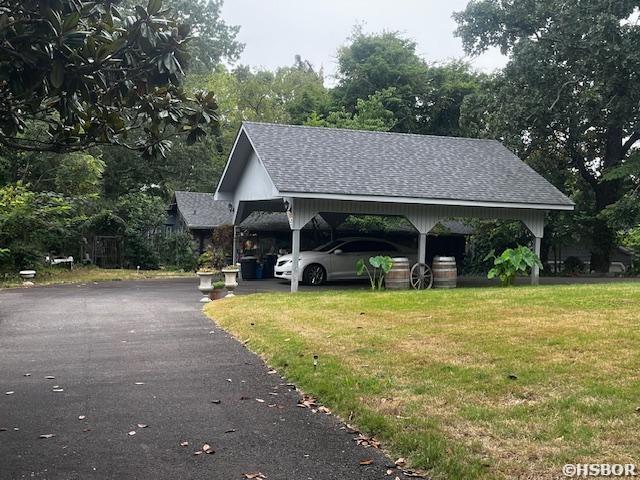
398 276
445 273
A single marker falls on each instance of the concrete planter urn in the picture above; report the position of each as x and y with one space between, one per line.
230 280
205 286
27 277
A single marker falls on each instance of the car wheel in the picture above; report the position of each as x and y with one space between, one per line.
314 274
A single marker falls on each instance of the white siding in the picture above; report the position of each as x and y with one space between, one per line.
254 183
423 217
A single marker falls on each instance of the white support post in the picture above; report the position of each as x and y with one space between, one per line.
295 255
235 245
535 271
422 248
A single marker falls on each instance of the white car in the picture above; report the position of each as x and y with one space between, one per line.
337 260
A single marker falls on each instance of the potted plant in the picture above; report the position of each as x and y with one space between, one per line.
218 291
206 272
230 279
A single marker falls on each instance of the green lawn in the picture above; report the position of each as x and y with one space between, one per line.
469 383
56 275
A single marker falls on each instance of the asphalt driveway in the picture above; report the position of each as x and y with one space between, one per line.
141 357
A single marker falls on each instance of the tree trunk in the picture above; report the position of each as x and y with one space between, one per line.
603 242
606 193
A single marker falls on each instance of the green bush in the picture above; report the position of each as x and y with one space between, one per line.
143 216
140 252
573 266
176 250
212 259
491 236
512 262
32 223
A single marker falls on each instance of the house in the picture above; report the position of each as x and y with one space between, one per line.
199 214
308 172
622 258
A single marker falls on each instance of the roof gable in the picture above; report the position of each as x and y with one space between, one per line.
327 161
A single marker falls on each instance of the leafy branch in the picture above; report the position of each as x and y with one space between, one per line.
94 77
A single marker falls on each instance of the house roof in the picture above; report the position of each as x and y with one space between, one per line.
201 210
317 161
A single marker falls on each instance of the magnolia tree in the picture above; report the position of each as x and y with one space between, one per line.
76 74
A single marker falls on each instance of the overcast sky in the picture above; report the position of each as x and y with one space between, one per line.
274 31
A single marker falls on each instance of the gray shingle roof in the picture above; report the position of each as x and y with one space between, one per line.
351 162
200 210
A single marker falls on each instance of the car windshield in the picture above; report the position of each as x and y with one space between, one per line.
328 246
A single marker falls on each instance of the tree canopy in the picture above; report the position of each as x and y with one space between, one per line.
423 98
570 92
90 75
212 39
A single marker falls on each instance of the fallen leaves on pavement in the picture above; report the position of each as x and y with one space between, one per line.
206 448
307 402
366 441
255 475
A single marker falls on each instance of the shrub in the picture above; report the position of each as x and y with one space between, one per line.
212 259
222 238
176 250
511 262
32 223
143 215
573 266
490 236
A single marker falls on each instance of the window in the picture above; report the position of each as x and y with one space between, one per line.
373 246
328 246
355 246
377 246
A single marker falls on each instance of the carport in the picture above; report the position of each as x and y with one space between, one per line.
309 171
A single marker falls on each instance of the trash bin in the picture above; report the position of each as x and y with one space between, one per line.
269 265
248 268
